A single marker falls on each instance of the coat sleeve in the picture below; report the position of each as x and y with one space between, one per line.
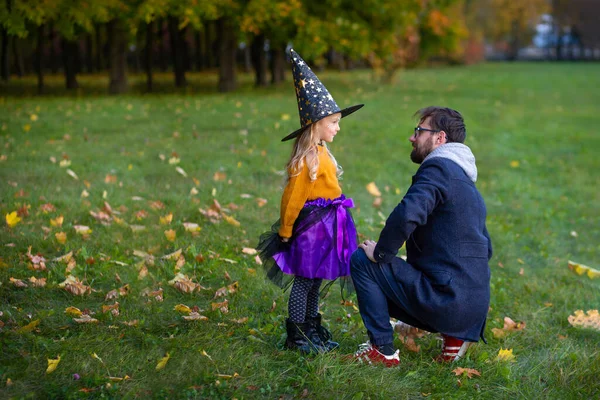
294 196
430 188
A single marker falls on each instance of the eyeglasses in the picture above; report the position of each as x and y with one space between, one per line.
418 129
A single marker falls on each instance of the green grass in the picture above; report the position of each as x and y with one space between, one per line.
543 116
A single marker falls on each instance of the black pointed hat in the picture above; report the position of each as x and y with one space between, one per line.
314 100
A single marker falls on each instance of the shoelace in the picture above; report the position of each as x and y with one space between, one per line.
363 348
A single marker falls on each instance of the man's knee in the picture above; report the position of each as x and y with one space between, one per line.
358 260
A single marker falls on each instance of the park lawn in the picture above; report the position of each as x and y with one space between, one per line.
533 128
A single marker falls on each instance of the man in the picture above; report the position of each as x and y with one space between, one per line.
444 284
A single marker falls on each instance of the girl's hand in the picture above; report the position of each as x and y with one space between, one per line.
285 240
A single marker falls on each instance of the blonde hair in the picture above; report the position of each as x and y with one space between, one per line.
305 151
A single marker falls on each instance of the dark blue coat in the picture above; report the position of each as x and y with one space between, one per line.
446 277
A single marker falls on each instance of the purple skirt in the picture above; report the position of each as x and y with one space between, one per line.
323 239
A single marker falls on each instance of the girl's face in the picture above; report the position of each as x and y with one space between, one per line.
328 127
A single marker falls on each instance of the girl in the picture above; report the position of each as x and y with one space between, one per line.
315 235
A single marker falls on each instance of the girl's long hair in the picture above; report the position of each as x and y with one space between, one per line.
305 150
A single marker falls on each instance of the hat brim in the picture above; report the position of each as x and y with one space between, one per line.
345 112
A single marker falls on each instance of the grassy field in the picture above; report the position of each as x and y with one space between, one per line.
121 165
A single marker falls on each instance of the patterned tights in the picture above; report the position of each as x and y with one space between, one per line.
304 299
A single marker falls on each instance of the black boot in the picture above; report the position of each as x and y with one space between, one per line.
299 337
321 335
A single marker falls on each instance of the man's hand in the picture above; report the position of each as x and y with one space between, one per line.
369 247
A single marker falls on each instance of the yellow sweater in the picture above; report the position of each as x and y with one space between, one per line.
301 189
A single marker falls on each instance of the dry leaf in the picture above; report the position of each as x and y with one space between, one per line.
509 326
73 311
468 371
182 308
113 294
173 256
581 269
52 364
373 190
247 250
143 272
29 327
222 306
18 283
181 171
163 362
184 284
114 309
65 258
195 316
505 355
75 286
261 202
58 221
377 202
37 282
589 319
219 176
166 220
231 220
85 319
170 235
191 227
61 237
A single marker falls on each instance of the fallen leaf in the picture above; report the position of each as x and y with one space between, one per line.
181 171
166 220
52 364
182 308
509 326
12 219
73 174
195 316
184 284
468 371
581 269
41 282
64 258
85 319
29 327
117 379
75 286
163 362
114 309
61 237
250 251
73 311
589 319
261 202
173 256
191 227
222 306
170 235
219 176
373 190
18 283
240 320
231 220
505 355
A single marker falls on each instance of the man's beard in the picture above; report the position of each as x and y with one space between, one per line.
420 152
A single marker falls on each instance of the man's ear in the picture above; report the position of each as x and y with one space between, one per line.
442 138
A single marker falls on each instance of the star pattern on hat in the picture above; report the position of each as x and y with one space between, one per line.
314 100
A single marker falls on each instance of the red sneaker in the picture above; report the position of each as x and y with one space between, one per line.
452 349
368 353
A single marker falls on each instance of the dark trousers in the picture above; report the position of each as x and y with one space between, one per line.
380 297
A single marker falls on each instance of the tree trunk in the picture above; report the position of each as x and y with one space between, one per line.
5 56
99 47
18 56
69 54
209 45
177 52
149 54
277 64
513 45
40 59
89 53
227 49
117 39
164 61
198 50
259 60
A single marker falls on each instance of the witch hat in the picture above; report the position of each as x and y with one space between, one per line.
314 100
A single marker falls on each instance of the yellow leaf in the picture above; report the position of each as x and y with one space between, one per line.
58 221
191 227
52 364
33 117
182 308
12 219
231 220
41 282
163 362
581 269
166 220
61 237
505 355
373 190
29 327
170 235
514 164
589 319
117 379
82 229
73 311
173 256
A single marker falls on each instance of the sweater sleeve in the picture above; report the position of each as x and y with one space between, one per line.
294 196
427 191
